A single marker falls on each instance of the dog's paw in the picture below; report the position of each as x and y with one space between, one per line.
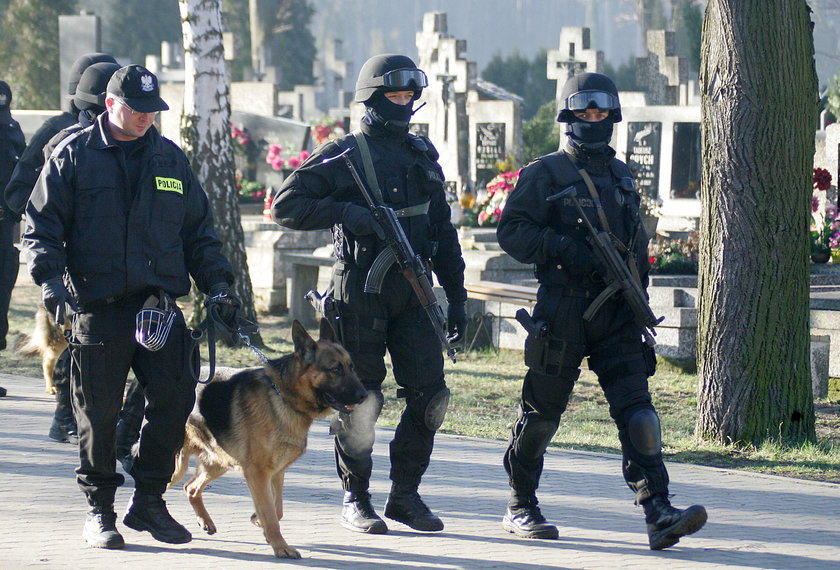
207 526
255 520
286 552
50 390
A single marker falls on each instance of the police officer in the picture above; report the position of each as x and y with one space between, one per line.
117 212
323 194
552 235
12 144
89 99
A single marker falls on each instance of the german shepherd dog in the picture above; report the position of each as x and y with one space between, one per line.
48 341
258 421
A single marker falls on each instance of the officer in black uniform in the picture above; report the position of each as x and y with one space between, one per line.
12 144
89 99
321 195
115 228
552 235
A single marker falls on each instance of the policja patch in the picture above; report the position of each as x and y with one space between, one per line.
169 185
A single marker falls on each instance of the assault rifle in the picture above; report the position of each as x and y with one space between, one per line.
410 264
617 273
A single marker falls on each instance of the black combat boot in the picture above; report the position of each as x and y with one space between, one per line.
101 529
666 524
358 514
523 518
63 426
405 505
2 392
147 511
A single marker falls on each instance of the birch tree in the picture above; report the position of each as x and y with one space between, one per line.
759 109
205 133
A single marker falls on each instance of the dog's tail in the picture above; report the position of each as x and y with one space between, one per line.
26 345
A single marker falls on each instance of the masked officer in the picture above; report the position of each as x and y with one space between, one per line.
323 194
119 214
89 99
552 235
12 144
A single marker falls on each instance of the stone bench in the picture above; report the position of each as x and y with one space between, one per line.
492 308
303 277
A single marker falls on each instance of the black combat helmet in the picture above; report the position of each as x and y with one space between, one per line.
82 63
90 92
389 72
586 91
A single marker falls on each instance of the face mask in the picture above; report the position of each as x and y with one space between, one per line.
590 135
389 112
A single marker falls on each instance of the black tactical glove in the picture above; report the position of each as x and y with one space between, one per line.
576 257
223 307
456 321
360 221
55 295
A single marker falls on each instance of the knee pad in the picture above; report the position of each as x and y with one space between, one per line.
644 432
436 409
356 429
532 434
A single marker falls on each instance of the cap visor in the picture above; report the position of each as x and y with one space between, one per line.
147 104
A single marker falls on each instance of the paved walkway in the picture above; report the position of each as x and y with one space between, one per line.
754 521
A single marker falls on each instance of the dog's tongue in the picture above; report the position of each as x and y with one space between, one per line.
350 407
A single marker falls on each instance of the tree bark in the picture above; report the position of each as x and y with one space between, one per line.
759 107
205 132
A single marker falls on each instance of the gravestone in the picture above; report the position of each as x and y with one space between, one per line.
333 72
662 74
574 56
77 35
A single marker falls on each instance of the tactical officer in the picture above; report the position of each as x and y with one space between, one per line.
536 227
118 213
12 144
26 172
89 99
322 194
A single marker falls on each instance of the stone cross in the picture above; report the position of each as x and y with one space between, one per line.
662 74
574 56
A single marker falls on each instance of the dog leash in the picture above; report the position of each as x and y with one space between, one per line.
243 327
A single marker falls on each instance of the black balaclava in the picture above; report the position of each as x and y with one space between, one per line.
5 102
379 111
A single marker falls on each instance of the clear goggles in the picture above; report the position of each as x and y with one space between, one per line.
153 323
408 78
583 100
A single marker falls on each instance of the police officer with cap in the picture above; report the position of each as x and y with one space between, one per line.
322 194
116 227
537 227
12 144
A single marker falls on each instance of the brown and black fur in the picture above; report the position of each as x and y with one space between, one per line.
243 423
48 341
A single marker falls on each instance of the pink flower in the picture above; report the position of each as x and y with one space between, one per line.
304 154
294 162
277 163
482 217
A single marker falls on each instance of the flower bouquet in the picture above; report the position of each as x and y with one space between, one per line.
488 208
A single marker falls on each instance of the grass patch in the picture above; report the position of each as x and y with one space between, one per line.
486 388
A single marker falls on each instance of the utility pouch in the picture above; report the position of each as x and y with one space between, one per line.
650 359
544 354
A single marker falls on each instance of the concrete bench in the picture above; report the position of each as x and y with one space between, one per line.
492 308
302 278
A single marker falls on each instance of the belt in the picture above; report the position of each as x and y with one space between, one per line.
136 297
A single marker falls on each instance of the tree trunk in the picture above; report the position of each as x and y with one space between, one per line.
205 132
759 106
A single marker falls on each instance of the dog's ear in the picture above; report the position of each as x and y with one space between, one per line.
304 344
327 333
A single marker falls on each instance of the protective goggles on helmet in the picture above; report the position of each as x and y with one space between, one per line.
583 100
153 322
400 78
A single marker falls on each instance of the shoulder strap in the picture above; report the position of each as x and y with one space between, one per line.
66 141
367 162
561 169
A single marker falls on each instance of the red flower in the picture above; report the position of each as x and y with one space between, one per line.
822 179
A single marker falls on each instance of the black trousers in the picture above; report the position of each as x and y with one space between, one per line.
392 320
9 265
103 350
617 356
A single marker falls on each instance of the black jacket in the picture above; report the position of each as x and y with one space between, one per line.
82 216
314 196
19 188
12 145
531 228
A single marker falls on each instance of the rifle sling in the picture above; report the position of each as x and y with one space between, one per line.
367 163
